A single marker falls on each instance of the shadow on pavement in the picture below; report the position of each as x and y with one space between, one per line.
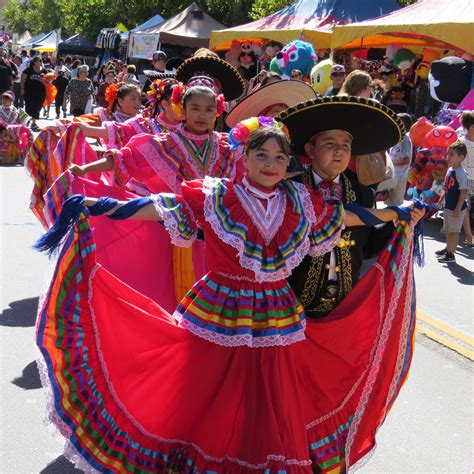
432 230
60 466
20 313
29 379
463 275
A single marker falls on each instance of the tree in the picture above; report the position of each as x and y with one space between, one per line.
262 8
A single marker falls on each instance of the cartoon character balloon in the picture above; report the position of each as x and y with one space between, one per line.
295 55
419 129
426 174
321 76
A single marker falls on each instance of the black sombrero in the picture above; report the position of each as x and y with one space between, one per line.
289 93
373 126
152 74
173 63
207 63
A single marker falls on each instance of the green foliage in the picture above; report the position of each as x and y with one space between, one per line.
87 17
262 8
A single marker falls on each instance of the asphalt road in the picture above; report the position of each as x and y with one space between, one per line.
430 428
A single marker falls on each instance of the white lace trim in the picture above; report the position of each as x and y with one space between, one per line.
241 339
209 186
267 221
169 221
382 342
112 134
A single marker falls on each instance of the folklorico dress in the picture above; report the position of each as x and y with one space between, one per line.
236 381
51 155
120 133
15 149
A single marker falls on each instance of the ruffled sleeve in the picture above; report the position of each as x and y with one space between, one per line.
118 134
327 218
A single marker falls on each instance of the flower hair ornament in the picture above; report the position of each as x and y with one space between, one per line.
179 93
157 90
239 135
111 93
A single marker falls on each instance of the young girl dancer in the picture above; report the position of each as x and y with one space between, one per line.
235 380
158 117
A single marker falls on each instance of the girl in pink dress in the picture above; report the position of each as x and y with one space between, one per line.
15 142
236 380
158 117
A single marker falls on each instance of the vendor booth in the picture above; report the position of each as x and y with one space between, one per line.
191 28
312 18
434 23
77 45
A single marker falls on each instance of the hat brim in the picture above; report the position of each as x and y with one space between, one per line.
233 85
288 92
373 126
150 73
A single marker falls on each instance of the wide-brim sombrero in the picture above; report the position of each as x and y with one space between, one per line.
289 93
173 63
373 126
232 83
152 74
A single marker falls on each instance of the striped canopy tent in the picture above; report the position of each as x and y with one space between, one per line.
313 19
444 24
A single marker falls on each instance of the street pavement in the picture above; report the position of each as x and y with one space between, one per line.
429 430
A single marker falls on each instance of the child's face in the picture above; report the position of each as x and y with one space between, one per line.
330 152
266 166
131 103
6 101
199 113
110 78
454 158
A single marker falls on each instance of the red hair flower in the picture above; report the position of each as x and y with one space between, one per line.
220 103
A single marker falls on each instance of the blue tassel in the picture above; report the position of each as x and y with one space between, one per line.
51 240
418 234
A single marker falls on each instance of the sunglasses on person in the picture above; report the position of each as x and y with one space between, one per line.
338 74
385 73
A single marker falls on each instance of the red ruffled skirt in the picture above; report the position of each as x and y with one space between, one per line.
133 392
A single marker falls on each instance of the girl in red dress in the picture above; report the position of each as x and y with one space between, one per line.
236 380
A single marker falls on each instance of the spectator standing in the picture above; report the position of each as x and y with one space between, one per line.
158 59
455 192
467 122
109 79
6 72
131 76
400 155
338 74
61 82
74 67
17 83
79 91
33 90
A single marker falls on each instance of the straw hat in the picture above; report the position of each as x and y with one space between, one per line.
373 126
288 93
